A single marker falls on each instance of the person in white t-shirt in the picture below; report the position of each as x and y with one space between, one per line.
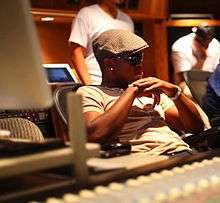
89 23
198 50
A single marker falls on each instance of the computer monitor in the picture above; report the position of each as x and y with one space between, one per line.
59 73
23 83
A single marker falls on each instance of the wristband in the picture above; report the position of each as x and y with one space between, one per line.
178 92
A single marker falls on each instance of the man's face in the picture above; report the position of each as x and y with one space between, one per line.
129 68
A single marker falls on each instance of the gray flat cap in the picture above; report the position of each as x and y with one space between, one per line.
117 42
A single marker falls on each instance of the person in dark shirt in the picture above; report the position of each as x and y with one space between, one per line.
211 101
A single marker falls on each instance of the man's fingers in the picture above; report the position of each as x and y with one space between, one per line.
145 81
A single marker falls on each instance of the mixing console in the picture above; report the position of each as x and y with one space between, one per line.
180 184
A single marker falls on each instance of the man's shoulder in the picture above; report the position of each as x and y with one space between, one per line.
88 9
122 14
88 88
91 90
185 38
215 42
99 90
183 42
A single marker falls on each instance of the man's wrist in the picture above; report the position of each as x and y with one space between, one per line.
177 94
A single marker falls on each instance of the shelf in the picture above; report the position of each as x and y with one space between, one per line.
66 16
52 15
192 22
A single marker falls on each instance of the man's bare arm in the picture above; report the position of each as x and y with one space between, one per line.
101 126
184 116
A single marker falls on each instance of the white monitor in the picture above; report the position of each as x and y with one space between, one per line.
23 83
59 73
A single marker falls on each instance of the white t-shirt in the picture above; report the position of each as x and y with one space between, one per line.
183 58
89 23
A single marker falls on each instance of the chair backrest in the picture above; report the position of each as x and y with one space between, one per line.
59 97
196 80
21 128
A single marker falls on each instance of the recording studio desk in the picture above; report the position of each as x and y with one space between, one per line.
24 178
21 179
43 160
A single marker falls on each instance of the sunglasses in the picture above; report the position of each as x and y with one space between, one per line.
134 59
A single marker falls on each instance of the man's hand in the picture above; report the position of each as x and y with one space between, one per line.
154 86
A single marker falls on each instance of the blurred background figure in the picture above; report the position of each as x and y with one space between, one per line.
198 50
89 23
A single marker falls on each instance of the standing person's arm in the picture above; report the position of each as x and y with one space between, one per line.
78 59
79 40
180 64
181 56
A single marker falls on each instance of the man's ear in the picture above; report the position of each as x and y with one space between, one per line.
109 64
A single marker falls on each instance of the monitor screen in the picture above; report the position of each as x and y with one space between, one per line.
59 73
23 83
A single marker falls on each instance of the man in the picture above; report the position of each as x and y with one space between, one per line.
132 109
90 22
198 50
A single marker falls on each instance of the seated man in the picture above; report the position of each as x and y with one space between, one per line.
131 109
211 101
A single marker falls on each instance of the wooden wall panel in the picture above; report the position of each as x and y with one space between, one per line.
157 9
54 41
195 6
161 51
156 57
149 52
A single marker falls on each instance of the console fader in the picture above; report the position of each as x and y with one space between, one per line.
196 182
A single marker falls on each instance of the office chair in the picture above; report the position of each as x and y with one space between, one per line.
196 80
59 97
21 128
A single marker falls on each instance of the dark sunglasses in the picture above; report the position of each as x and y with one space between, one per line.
134 59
